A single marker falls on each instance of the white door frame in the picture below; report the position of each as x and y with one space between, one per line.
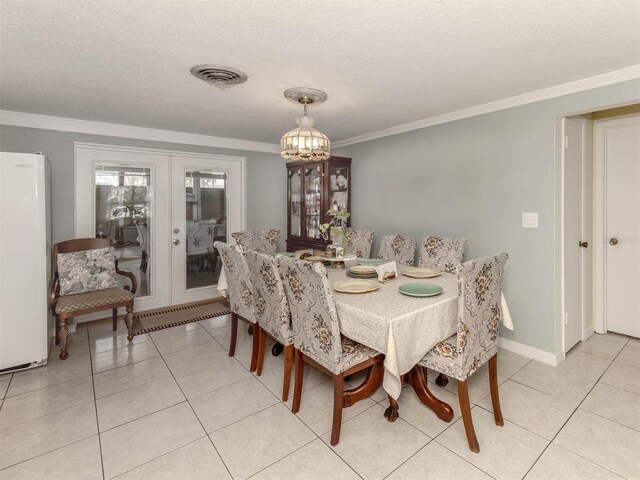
160 161
584 331
600 196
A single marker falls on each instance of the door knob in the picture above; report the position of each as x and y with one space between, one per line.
176 230
583 244
176 242
613 241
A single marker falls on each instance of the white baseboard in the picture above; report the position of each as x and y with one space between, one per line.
533 353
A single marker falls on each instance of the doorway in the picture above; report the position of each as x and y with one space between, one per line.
163 210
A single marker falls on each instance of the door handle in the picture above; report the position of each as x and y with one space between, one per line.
176 242
583 244
613 241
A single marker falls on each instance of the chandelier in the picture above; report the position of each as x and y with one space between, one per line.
305 142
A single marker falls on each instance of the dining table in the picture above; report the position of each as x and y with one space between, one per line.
404 328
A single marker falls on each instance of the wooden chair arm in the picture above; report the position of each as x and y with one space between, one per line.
130 276
54 291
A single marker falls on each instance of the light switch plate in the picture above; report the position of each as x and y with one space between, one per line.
529 220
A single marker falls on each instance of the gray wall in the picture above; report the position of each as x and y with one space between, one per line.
473 178
266 174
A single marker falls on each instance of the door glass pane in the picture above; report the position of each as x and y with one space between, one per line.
312 202
123 214
206 219
296 193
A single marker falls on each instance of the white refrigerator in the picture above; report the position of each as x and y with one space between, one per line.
25 260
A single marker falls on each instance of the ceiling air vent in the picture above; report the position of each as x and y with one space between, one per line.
218 75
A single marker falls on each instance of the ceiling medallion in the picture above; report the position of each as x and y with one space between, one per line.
305 142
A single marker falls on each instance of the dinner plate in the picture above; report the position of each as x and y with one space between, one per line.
356 286
416 272
420 289
362 275
369 261
363 269
286 254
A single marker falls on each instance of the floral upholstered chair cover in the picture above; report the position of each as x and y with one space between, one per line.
315 322
479 316
399 248
359 243
270 300
241 295
442 254
263 241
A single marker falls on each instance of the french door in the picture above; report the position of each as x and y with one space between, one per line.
163 211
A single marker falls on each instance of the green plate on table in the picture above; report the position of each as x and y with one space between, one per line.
420 289
286 254
369 261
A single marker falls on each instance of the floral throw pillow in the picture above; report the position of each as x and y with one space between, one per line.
86 271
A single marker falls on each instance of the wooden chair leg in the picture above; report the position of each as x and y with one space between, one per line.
63 334
234 334
255 347
261 335
465 410
493 383
129 322
114 317
297 389
288 365
338 392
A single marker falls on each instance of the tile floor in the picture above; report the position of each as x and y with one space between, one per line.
173 405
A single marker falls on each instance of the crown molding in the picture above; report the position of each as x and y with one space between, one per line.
30 120
610 78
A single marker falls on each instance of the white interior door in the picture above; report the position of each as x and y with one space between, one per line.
206 198
620 146
574 235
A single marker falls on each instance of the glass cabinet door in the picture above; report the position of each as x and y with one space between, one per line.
339 188
295 189
313 210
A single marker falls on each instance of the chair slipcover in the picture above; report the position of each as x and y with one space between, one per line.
270 300
401 248
359 243
442 254
479 316
263 241
239 280
315 321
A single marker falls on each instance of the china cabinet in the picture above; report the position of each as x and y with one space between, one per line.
313 188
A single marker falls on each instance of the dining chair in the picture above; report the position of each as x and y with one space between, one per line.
442 254
475 343
359 243
263 241
84 281
401 248
316 334
241 295
272 311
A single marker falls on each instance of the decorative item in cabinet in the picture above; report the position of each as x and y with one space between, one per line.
314 188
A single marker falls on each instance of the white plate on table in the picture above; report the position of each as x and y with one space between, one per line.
419 272
363 269
356 286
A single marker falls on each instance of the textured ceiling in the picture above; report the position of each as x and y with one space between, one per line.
382 63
